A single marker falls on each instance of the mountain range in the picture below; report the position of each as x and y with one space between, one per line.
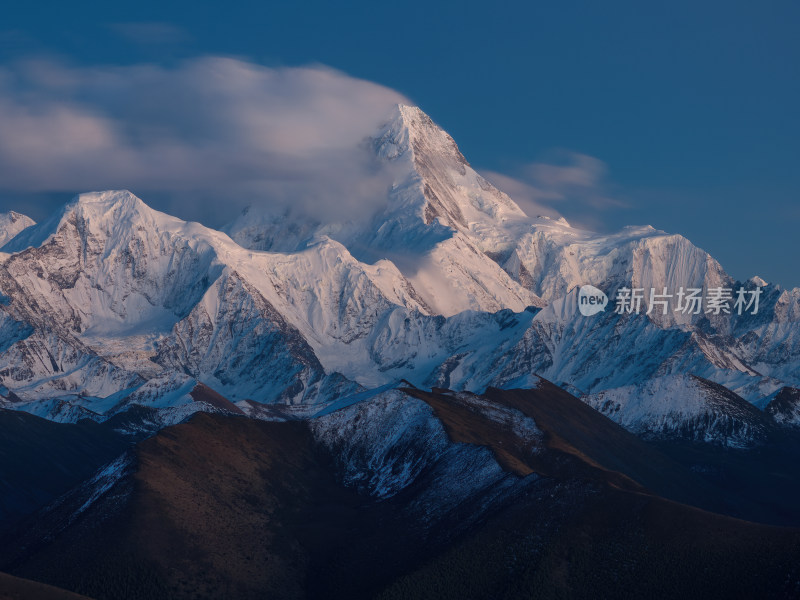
285 403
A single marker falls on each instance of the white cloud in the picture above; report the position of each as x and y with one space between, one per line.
533 200
579 170
571 183
575 176
208 137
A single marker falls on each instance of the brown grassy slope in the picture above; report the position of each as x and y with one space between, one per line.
583 443
203 393
576 428
220 504
208 500
611 538
218 507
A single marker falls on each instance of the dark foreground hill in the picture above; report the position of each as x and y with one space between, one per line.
40 460
517 494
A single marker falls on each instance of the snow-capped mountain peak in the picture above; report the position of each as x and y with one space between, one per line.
437 216
452 191
110 214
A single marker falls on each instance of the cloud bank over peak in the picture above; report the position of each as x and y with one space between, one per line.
203 139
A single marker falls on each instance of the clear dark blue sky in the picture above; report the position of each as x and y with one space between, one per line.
692 106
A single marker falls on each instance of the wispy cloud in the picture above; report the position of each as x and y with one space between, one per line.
535 201
212 134
578 177
567 183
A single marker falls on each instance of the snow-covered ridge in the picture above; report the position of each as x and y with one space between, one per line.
108 268
385 443
683 407
110 304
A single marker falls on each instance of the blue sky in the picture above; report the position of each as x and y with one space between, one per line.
682 115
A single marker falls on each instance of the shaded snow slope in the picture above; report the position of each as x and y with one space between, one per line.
683 407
